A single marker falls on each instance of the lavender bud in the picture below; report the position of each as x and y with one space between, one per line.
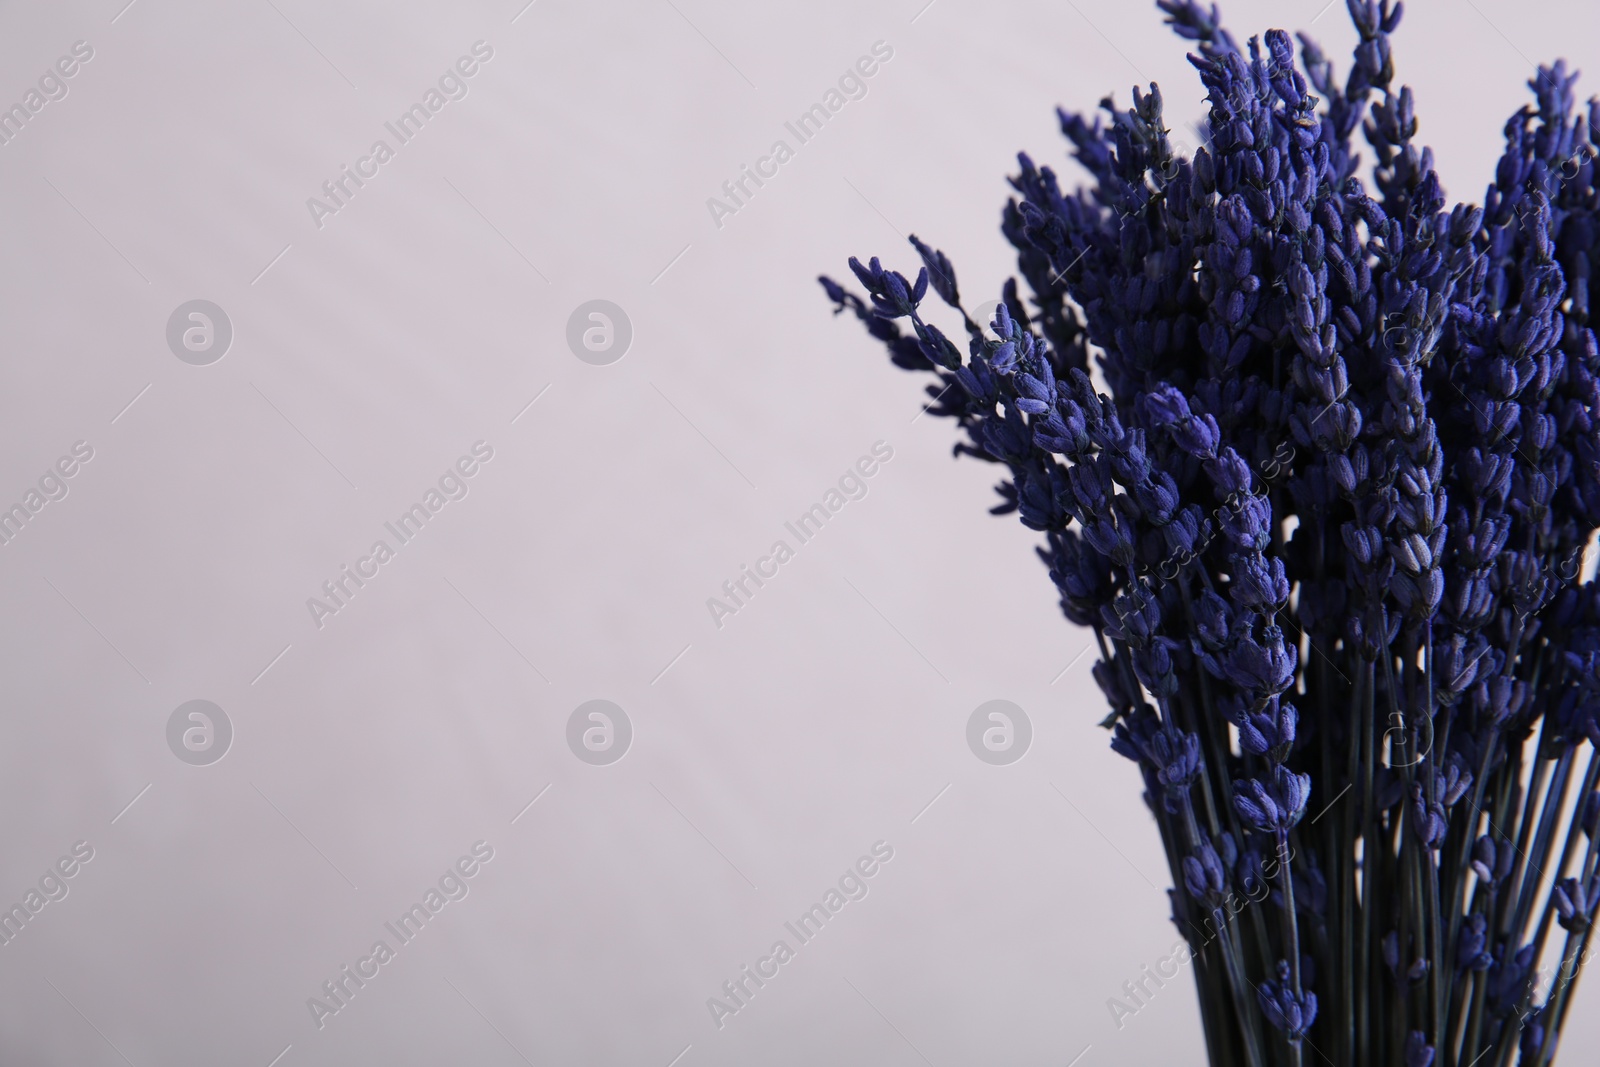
1418 1052
1286 1012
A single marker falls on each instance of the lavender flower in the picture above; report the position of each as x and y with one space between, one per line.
1274 806
1290 1012
1326 519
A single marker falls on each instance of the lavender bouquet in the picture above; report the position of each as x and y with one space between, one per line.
1325 505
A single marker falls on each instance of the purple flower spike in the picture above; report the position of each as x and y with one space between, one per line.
1283 1009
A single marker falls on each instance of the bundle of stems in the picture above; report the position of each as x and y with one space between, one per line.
1318 461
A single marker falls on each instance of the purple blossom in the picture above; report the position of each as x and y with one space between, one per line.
1274 806
1287 1011
1327 517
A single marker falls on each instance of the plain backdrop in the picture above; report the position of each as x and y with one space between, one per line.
372 350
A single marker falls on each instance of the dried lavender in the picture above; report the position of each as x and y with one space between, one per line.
1327 520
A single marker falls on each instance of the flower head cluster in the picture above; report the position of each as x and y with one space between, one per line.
1317 456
